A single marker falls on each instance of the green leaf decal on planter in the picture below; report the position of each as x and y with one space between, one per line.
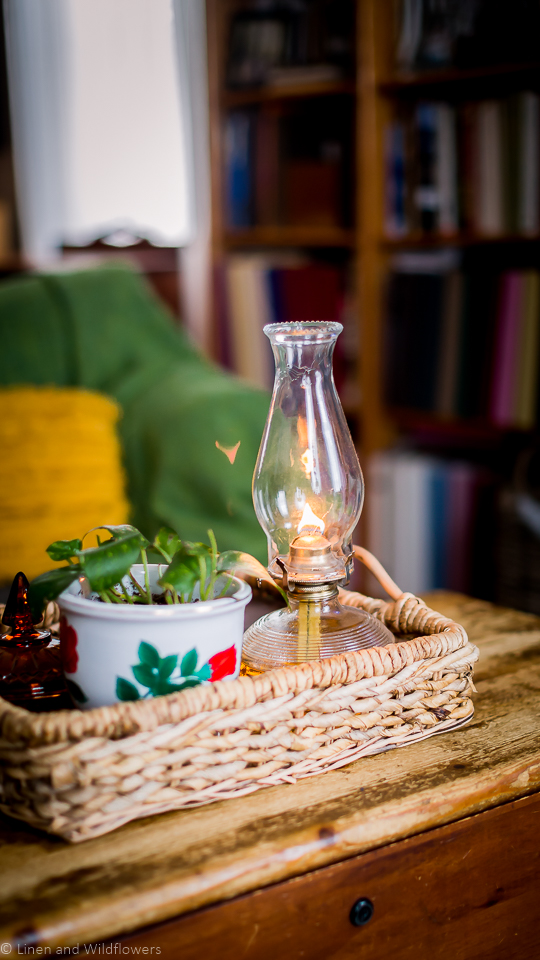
126 690
148 654
167 665
189 663
156 674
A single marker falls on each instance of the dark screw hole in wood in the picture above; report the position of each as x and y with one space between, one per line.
361 912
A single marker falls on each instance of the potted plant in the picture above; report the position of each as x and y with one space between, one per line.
141 619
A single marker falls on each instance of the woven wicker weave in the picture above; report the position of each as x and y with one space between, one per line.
81 774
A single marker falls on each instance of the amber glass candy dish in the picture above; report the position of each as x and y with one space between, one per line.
31 673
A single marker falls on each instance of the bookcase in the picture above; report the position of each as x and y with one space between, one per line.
297 232
428 239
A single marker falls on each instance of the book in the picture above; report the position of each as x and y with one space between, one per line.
412 529
505 367
311 292
395 218
380 508
446 400
266 173
414 324
488 169
478 316
462 342
422 518
397 501
238 168
473 167
529 171
459 506
248 313
528 354
280 288
426 193
439 524
446 170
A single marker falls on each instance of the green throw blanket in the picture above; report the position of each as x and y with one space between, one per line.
104 330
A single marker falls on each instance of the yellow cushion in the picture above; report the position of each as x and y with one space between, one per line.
60 472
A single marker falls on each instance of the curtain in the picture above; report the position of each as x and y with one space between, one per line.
101 105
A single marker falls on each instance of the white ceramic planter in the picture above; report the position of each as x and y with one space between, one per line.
101 642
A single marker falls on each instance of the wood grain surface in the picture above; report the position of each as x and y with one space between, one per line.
156 869
469 890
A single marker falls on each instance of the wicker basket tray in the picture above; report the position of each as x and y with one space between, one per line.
81 774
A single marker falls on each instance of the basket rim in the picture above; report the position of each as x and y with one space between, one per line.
436 637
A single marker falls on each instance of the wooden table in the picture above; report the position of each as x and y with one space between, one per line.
442 838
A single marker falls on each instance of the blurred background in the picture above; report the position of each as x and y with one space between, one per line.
375 162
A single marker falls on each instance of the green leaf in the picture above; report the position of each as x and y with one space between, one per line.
168 541
121 530
190 682
106 565
182 573
63 549
234 561
125 690
167 665
144 674
189 663
148 654
204 673
196 549
48 586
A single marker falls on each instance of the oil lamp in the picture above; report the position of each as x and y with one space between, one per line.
308 492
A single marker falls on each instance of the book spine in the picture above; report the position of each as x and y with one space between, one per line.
527 379
395 215
448 361
506 350
412 569
380 508
248 309
461 486
267 167
427 194
529 180
489 169
438 518
446 174
238 172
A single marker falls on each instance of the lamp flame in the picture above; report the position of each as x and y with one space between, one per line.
307 462
309 521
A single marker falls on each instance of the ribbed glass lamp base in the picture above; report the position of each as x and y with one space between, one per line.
309 631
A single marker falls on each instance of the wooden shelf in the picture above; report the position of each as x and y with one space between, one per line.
290 237
418 82
254 95
13 263
455 240
450 430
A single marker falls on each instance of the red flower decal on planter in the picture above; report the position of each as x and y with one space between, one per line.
68 646
222 664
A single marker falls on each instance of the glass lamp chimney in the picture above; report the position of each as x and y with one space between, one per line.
307 478
308 492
